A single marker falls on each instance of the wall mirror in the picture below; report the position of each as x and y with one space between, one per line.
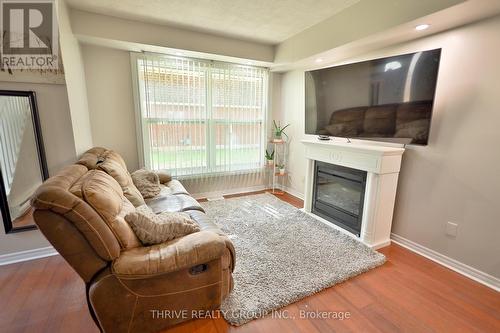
23 165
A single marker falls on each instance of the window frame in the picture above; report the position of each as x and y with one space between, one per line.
210 122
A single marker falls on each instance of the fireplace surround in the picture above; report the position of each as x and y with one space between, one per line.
375 166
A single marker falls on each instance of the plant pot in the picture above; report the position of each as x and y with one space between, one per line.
270 162
282 171
278 138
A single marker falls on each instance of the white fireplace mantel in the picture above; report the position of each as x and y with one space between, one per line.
382 165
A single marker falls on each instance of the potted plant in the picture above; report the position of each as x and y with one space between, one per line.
281 168
269 157
279 131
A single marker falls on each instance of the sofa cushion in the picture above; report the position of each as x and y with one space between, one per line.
114 166
54 195
417 130
351 118
153 228
348 115
114 156
380 120
105 196
147 182
92 157
173 203
409 112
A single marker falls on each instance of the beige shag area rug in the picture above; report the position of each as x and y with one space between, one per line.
282 255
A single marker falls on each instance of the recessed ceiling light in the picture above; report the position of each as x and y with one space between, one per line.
421 27
318 60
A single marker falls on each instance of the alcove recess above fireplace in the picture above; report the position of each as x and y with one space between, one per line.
366 173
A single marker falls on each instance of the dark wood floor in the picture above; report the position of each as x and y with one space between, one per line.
407 294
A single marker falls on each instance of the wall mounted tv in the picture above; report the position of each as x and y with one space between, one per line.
388 99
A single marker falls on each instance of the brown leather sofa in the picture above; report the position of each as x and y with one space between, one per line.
405 120
131 287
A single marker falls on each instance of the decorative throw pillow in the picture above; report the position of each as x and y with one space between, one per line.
147 183
164 177
153 228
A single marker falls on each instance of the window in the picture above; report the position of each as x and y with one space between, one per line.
200 117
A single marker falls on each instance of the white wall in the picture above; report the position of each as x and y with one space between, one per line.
55 122
75 81
111 101
454 178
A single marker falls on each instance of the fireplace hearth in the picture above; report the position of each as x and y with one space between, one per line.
338 195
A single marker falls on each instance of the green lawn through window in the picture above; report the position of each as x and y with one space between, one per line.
197 157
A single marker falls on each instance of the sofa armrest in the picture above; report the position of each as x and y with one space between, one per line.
180 253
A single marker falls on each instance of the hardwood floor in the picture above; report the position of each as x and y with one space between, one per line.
24 220
409 293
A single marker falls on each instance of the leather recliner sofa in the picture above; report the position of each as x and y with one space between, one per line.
131 287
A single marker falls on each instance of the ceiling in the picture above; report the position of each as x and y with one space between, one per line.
266 21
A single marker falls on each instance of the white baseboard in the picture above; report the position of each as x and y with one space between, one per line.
11 258
381 244
230 191
466 270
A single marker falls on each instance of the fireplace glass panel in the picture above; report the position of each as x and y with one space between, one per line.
339 195
343 193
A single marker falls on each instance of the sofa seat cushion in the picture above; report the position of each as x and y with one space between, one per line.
173 203
191 250
105 196
153 228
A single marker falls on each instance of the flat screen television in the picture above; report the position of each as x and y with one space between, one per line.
388 99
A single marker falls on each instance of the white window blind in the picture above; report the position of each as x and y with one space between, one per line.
201 117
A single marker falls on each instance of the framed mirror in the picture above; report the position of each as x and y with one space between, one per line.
23 166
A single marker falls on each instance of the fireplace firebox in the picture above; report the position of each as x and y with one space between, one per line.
338 195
